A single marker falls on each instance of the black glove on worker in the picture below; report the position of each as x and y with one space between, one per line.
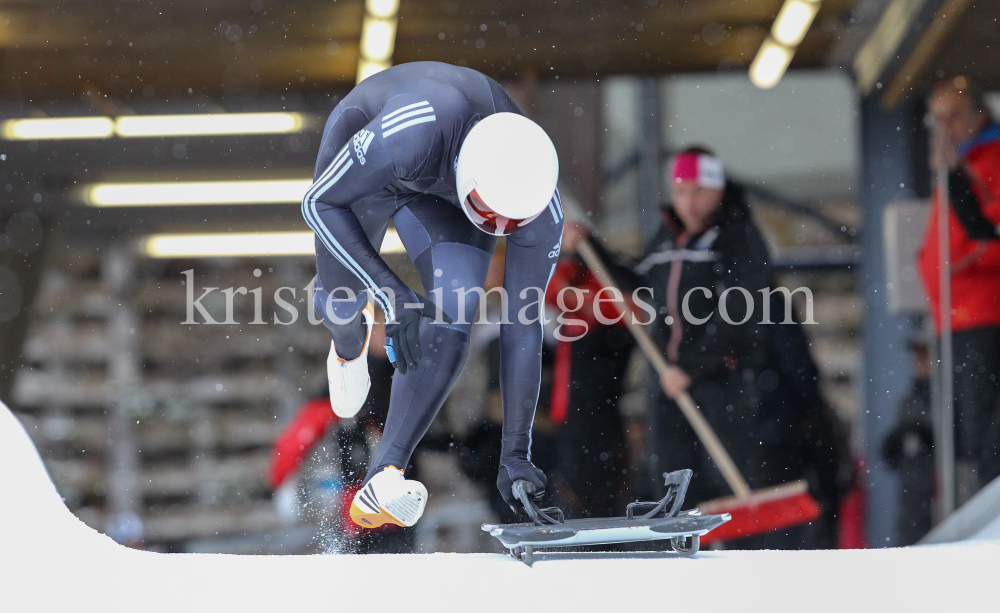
520 469
402 337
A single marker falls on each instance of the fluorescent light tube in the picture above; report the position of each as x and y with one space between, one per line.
382 8
228 245
58 128
196 192
243 244
131 126
793 21
367 68
770 64
378 37
200 125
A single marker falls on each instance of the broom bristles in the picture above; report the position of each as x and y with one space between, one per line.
762 511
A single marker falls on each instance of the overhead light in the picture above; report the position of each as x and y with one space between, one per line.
58 128
787 31
217 123
196 192
230 244
367 68
153 125
793 21
882 45
391 242
244 244
382 8
378 37
770 64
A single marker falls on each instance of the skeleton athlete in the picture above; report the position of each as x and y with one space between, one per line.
446 155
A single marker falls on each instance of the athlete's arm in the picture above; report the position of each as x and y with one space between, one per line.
392 145
532 253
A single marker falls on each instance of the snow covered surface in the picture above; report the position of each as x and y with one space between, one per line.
50 561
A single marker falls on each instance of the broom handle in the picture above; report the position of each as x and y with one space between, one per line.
694 416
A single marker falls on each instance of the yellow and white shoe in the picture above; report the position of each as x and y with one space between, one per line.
349 380
388 498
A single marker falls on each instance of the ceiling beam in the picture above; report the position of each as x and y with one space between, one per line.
930 44
883 45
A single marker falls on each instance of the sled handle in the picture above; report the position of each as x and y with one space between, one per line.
706 434
677 484
523 491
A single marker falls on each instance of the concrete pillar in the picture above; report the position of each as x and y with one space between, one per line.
123 521
24 235
892 159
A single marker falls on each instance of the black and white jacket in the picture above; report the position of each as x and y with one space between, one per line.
694 271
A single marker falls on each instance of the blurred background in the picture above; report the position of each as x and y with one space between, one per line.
115 184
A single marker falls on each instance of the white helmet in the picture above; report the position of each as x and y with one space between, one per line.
506 173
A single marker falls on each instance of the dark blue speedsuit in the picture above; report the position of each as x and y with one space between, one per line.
389 152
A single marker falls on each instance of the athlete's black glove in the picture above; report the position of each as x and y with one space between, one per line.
520 469
402 337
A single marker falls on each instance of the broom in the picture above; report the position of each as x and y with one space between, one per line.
753 512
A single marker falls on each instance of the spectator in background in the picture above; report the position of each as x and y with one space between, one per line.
801 436
966 142
708 244
588 379
909 449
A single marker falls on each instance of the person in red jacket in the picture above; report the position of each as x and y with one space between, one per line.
966 141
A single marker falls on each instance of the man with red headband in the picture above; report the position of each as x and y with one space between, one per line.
707 245
445 155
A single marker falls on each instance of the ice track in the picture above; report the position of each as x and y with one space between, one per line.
51 561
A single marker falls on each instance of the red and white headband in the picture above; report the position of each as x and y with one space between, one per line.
705 170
